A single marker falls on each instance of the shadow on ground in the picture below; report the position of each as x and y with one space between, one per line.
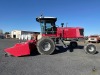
58 50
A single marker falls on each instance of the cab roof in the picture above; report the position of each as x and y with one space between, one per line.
40 19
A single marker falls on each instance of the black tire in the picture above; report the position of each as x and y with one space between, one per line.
90 48
45 46
73 44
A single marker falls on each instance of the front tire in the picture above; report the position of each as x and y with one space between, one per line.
45 46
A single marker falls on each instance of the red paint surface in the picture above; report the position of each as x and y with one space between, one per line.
21 49
67 32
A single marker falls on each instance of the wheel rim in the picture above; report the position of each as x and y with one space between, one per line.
46 46
91 49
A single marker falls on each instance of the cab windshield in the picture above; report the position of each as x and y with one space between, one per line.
48 28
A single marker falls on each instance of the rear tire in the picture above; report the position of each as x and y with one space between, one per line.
45 46
90 48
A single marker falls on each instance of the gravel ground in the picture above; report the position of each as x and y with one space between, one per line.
62 62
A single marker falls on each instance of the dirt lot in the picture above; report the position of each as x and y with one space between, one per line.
62 62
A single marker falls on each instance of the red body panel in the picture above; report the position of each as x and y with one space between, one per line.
21 49
67 32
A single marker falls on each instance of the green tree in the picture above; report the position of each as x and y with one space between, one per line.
7 33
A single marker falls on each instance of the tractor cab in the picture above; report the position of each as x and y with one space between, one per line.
47 24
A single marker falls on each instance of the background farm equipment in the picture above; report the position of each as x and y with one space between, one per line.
94 38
